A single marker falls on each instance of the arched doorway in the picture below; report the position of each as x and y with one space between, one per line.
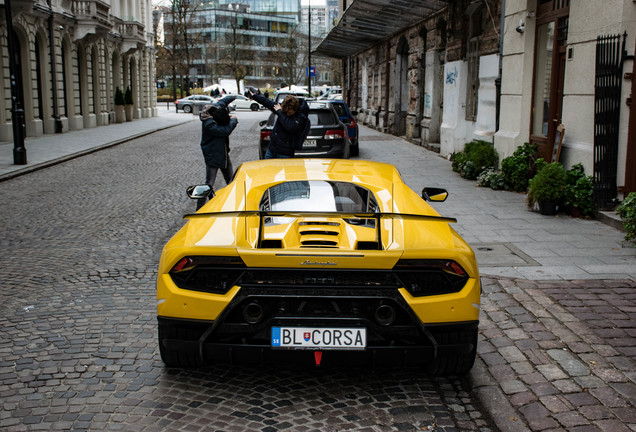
401 87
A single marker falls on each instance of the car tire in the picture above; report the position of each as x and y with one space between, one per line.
454 363
254 107
176 358
346 154
355 150
187 109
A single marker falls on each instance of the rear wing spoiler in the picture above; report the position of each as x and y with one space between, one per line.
342 215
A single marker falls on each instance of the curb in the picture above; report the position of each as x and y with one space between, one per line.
52 162
494 401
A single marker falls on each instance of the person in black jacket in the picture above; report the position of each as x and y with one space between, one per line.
216 127
289 127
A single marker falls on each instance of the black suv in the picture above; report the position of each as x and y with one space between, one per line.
328 136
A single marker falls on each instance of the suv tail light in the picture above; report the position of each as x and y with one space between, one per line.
352 123
265 135
334 134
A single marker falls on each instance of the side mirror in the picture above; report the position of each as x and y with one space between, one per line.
200 191
262 123
434 194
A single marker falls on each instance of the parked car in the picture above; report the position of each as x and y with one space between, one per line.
316 260
282 94
348 118
186 104
328 136
334 93
241 102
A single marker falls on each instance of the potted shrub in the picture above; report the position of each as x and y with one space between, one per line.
119 105
627 211
128 101
548 187
517 169
477 156
579 196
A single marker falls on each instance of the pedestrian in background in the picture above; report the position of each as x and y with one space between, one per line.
216 127
291 127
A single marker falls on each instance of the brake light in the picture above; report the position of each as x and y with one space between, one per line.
211 274
265 135
182 264
352 123
334 134
430 277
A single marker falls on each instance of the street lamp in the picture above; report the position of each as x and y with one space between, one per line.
17 113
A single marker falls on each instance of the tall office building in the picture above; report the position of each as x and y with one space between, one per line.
249 33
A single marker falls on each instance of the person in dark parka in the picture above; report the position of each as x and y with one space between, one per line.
289 127
216 127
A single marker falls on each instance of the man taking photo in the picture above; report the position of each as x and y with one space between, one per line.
291 127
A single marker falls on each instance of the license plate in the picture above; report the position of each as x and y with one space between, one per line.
310 143
319 338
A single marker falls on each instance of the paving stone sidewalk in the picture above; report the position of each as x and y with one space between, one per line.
558 356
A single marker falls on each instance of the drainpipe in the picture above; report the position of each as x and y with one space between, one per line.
56 114
498 80
349 81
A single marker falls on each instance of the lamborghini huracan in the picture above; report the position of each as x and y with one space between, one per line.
318 261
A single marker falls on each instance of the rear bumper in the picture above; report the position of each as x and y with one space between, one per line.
211 349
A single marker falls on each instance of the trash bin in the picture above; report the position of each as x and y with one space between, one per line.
195 109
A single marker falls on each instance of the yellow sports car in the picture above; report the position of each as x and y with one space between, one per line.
318 261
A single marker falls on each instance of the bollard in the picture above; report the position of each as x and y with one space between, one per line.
195 109
168 105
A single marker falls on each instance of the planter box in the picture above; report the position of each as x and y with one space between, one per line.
129 112
119 113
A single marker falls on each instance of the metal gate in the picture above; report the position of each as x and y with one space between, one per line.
610 54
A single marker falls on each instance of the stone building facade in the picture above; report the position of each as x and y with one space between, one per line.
565 62
555 73
434 80
71 56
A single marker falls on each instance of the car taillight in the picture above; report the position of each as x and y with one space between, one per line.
334 134
352 123
211 274
265 135
430 277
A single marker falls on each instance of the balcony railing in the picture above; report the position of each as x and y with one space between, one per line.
92 17
133 34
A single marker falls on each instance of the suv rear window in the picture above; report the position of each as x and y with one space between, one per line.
321 117
340 109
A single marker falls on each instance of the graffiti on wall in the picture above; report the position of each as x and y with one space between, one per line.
451 76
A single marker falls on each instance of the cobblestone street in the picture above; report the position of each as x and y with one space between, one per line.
78 348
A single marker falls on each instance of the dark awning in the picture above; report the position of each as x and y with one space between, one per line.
367 22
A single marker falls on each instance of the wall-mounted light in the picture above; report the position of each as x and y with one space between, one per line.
521 27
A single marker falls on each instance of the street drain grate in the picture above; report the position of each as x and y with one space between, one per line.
501 255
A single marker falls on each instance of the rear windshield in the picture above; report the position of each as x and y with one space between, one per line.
321 117
340 109
318 196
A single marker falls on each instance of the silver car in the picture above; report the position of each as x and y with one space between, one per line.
187 104
241 102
